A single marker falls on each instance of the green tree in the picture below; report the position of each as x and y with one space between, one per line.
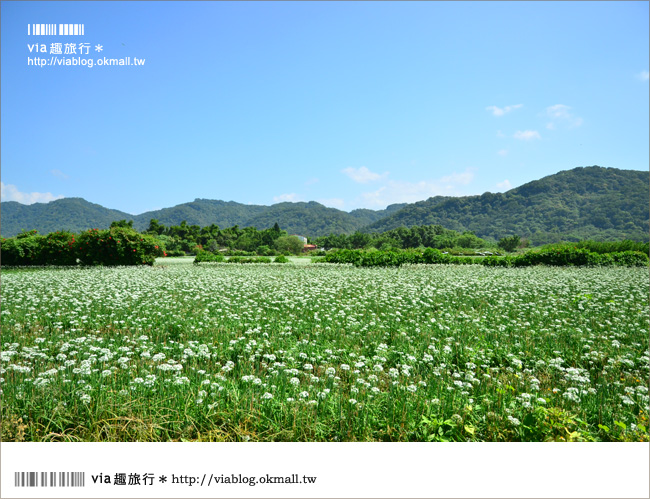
123 224
155 227
289 243
509 243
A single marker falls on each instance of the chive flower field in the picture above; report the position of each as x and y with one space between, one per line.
267 352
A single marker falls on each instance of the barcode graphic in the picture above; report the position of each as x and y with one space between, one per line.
55 29
49 479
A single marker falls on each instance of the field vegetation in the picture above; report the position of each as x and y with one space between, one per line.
265 352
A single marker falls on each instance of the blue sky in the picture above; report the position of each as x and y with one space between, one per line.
354 105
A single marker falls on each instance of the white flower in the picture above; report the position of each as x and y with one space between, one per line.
514 421
267 396
352 401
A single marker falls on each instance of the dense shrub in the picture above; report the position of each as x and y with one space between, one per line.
281 259
249 259
236 252
560 256
59 248
208 256
603 247
22 250
432 255
570 256
115 246
498 261
629 258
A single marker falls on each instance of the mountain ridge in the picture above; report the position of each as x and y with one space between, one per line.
584 202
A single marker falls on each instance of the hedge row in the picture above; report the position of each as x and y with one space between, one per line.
208 256
562 257
395 258
555 257
115 246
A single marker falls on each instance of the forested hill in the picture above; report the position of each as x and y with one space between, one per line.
76 214
202 212
586 202
73 214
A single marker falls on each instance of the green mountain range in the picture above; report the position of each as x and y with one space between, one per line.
77 214
583 203
586 202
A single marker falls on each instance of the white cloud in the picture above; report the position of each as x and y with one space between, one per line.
292 198
363 175
502 152
500 111
59 173
409 192
550 126
504 186
560 112
9 192
644 76
527 135
337 203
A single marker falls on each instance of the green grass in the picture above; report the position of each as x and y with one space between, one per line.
325 353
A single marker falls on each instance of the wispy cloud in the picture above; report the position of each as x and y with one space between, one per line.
396 191
9 192
500 111
292 198
502 152
337 203
312 181
643 76
363 175
527 135
560 113
59 173
504 186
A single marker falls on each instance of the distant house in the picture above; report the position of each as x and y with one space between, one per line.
309 247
